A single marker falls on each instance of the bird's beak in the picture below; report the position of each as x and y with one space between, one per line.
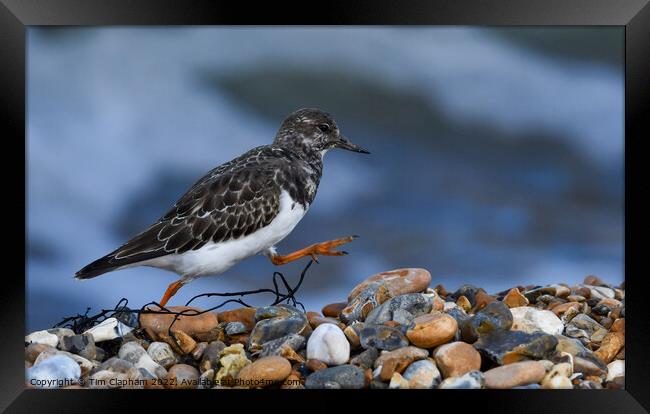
344 143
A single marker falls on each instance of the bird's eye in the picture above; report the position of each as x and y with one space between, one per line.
324 127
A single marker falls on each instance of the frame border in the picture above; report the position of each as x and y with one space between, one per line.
15 15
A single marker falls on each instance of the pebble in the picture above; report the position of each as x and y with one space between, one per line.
495 316
135 353
211 356
84 364
515 374
582 326
61 333
232 361
472 380
279 346
432 329
422 374
457 358
527 319
328 344
334 309
108 329
398 360
162 354
314 365
245 316
559 377
199 327
352 333
467 290
234 328
361 305
564 307
315 320
206 380
615 369
54 372
182 377
275 322
42 337
264 371
115 364
504 347
464 303
382 337
82 345
342 376
415 304
33 350
365 359
610 346
398 282
514 299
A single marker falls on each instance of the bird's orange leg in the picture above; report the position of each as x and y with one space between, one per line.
324 249
171 291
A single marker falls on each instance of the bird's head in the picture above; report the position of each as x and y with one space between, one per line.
313 131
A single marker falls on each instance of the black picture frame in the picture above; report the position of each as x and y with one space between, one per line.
634 15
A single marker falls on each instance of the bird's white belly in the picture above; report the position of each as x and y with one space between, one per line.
216 258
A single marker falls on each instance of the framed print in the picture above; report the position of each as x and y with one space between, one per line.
371 199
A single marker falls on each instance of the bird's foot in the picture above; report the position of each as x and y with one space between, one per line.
171 291
322 249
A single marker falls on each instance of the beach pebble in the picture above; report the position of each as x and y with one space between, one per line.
615 370
162 354
472 380
415 304
328 344
333 310
457 358
514 299
422 374
195 324
264 371
42 337
398 282
135 354
233 359
82 345
527 319
108 329
342 376
182 377
558 377
432 329
54 372
515 374
274 322
245 316
398 360
504 347
382 337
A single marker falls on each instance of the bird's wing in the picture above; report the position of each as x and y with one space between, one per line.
231 201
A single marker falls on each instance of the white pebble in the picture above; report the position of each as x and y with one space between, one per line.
54 372
42 337
531 320
109 329
615 369
328 344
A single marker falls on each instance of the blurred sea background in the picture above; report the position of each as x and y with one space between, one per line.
497 153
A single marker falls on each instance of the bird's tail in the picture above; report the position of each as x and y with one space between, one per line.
96 268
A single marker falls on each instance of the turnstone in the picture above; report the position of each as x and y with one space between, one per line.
239 209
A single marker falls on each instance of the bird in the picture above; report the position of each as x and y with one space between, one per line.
239 209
